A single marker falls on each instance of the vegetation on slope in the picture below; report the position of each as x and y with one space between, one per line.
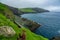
29 35
6 22
33 10
5 13
27 10
32 36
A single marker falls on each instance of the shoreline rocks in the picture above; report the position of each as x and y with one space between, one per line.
27 23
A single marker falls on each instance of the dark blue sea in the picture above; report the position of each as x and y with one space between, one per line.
50 23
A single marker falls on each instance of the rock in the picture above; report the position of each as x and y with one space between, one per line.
27 23
7 31
56 38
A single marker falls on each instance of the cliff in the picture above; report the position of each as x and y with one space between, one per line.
7 18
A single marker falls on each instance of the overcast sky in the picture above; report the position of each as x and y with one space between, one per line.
52 5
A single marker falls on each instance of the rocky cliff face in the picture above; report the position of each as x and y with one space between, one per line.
27 23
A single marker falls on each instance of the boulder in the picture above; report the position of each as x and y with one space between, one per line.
56 38
7 31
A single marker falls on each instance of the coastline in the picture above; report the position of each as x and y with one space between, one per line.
27 23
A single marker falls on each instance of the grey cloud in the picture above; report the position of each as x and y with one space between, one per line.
32 3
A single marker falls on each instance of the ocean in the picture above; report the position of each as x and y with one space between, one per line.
50 23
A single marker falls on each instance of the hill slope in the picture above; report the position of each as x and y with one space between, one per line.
33 10
6 15
6 22
6 11
29 35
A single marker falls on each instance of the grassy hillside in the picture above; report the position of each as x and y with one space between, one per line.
27 10
5 15
33 10
6 11
6 22
32 36
29 35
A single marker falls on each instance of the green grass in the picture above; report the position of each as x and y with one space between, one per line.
26 10
6 22
29 35
3 7
6 11
32 36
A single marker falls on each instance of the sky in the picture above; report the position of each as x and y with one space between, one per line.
52 5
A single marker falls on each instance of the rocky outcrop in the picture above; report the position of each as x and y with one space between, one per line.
27 23
30 24
56 38
7 31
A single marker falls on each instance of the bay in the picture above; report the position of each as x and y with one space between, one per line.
50 23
